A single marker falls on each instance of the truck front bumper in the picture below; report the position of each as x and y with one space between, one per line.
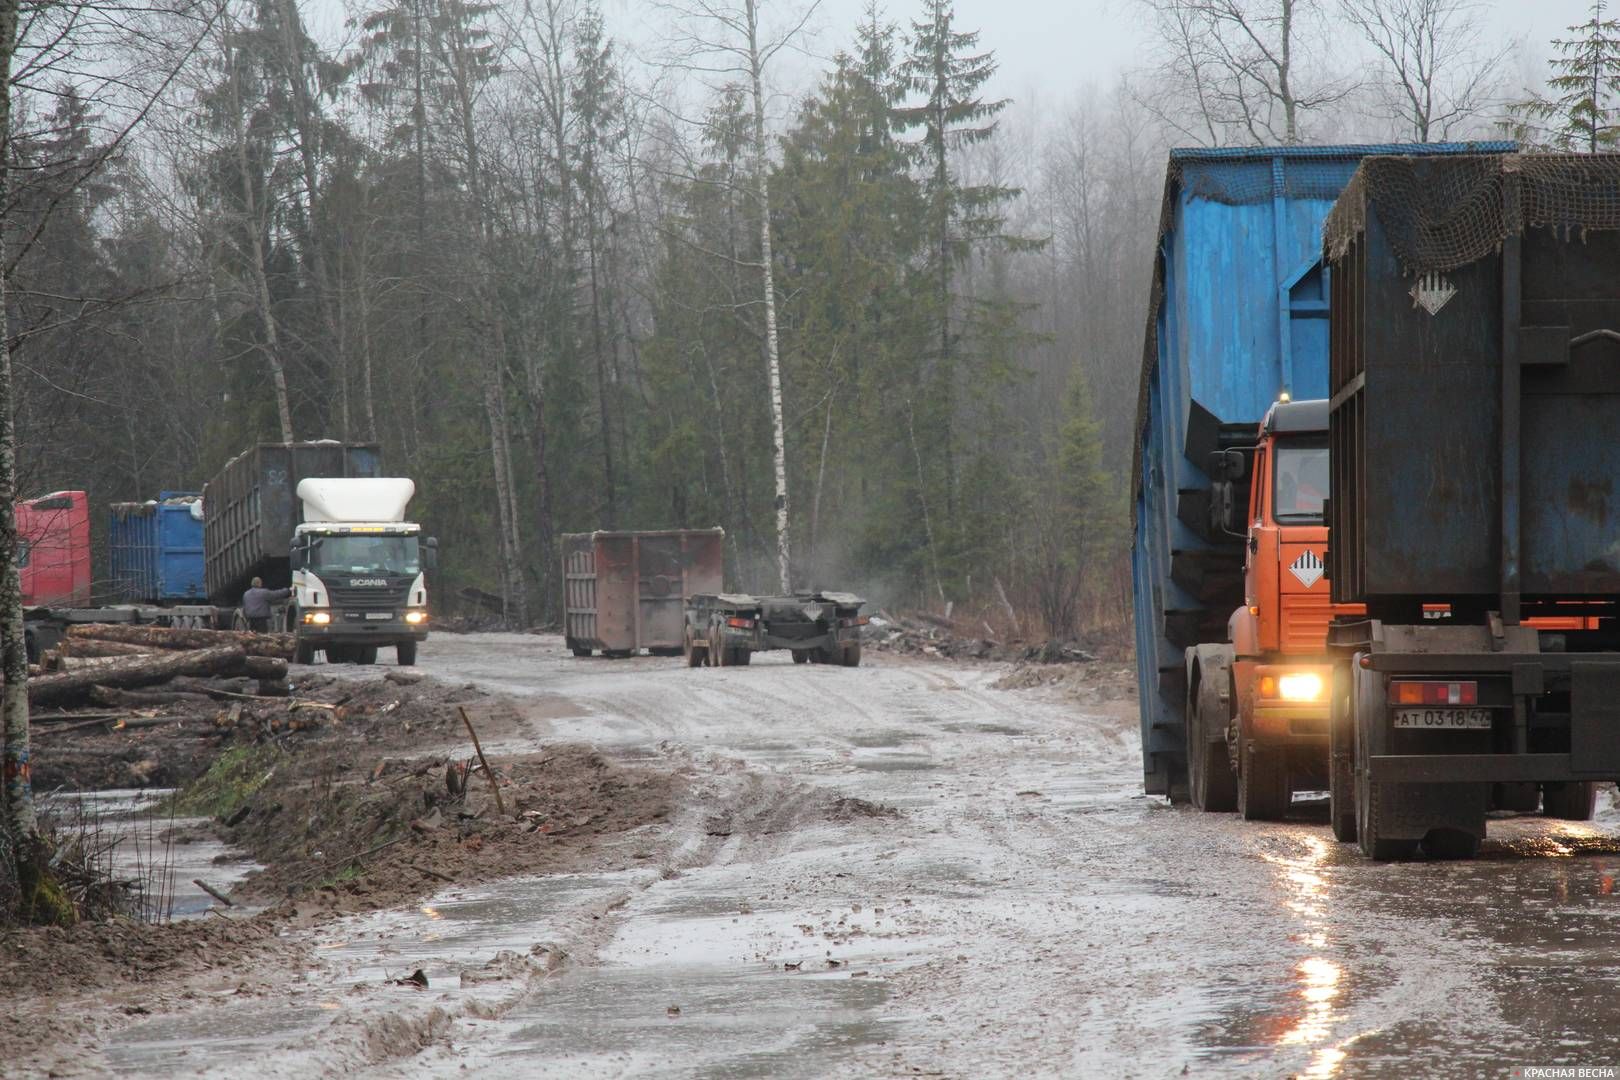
1277 720
351 631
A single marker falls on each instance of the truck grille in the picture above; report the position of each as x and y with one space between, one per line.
369 599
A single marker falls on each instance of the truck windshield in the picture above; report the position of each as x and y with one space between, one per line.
1302 483
395 556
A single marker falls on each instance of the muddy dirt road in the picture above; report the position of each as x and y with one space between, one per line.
901 869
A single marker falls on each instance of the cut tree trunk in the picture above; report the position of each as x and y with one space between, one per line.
85 647
134 671
170 637
265 668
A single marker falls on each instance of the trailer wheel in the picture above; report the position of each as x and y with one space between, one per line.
852 654
1211 785
1262 782
304 652
1373 808
365 654
718 653
1574 801
740 656
1342 753
696 655
801 656
405 653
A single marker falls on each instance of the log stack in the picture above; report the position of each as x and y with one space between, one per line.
105 662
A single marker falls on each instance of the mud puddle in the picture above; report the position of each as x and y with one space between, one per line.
163 854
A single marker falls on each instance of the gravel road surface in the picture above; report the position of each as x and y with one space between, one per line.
900 870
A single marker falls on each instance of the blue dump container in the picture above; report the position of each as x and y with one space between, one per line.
156 550
1238 316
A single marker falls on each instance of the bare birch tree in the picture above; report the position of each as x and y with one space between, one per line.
724 39
1240 71
1442 73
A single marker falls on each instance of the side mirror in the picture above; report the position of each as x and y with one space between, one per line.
298 557
430 553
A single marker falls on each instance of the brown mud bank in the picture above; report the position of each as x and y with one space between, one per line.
368 795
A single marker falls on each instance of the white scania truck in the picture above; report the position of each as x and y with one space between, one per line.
320 520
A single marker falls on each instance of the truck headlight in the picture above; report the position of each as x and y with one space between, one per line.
416 618
1302 686
317 618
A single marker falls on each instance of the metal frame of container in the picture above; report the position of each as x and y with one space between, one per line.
1238 314
251 509
625 590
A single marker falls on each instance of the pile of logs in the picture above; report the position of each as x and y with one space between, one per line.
109 664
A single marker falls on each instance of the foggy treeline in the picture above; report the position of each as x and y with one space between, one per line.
527 259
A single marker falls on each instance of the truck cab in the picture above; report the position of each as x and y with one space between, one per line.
1258 706
358 571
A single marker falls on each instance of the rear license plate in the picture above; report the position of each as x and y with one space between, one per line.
1444 719
380 616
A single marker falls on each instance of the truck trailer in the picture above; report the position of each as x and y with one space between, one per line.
726 629
1475 329
1231 605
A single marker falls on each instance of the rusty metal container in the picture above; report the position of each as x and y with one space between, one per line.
626 591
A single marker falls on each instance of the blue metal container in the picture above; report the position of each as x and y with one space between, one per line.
1239 315
155 550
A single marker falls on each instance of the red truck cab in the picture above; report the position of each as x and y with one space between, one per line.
53 550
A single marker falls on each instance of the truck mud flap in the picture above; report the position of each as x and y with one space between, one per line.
1411 811
1594 723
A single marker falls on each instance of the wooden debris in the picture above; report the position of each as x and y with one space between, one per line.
494 784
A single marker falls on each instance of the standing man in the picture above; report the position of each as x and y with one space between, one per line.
256 604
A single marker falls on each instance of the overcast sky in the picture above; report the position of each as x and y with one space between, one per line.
1048 49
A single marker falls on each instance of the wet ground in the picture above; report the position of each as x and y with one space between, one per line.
1027 910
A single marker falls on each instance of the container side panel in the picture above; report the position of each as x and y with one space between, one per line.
1570 520
1430 454
616 592
659 591
179 551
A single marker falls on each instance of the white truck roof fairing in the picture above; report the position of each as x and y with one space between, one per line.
348 499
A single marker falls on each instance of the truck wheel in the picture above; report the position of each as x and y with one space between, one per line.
740 656
1342 753
1373 809
801 656
1262 782
304 652
695 654
405 653
1211 786
1575 801
719 655
852 654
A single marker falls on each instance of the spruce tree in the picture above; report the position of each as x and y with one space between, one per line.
1580 112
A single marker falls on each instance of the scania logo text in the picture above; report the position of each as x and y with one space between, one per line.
367 581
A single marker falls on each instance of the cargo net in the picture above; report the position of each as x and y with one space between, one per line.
1241 182
1441 213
